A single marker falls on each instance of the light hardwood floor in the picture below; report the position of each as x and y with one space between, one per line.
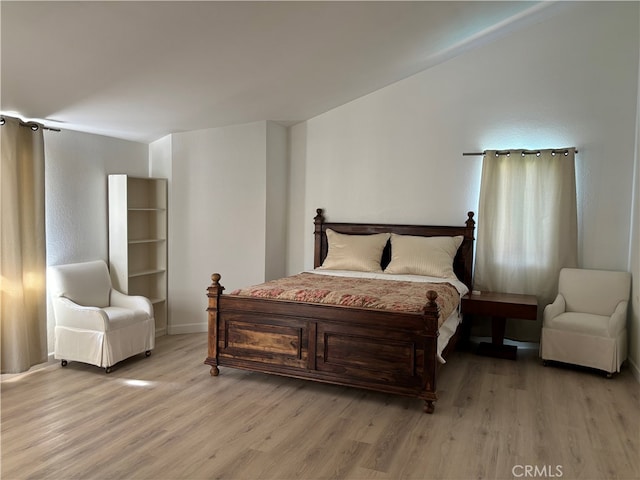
164 417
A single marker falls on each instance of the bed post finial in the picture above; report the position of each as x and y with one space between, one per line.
431 308
318 220
471 223
431 305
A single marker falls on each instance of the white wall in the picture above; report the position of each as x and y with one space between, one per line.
299 219
276 200
219 203
160 159
396 154
76 169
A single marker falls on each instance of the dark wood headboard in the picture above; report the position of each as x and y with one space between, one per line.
462 264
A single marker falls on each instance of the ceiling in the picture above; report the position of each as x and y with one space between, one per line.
142 70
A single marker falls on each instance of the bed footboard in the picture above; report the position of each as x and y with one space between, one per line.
378 350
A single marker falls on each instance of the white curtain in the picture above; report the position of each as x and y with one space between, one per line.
527 226
23 325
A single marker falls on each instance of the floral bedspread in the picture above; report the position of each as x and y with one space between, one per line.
398 296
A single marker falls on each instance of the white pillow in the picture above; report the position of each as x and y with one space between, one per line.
362 253
429 256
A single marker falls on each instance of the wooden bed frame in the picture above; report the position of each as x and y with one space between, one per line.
379 350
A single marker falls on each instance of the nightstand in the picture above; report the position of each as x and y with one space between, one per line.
500 306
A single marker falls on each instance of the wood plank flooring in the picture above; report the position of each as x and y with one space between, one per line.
164 417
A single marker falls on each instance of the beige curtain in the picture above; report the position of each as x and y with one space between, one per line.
23 325
527 227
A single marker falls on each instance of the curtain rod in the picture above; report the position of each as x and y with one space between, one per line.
32 125
524 151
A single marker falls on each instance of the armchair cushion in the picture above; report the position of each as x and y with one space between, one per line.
580 322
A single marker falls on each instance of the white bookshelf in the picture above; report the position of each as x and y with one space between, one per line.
138 240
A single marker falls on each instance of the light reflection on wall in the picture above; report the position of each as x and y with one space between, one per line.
511 135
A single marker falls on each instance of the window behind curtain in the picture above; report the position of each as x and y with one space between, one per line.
527 222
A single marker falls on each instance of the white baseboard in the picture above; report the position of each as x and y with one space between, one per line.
187 328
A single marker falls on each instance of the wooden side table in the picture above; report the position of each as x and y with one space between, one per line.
500 306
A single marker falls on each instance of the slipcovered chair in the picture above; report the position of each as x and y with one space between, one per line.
587 322
94 323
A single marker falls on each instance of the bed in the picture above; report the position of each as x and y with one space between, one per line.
385 339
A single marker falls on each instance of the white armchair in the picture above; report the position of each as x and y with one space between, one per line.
94 323
587 322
